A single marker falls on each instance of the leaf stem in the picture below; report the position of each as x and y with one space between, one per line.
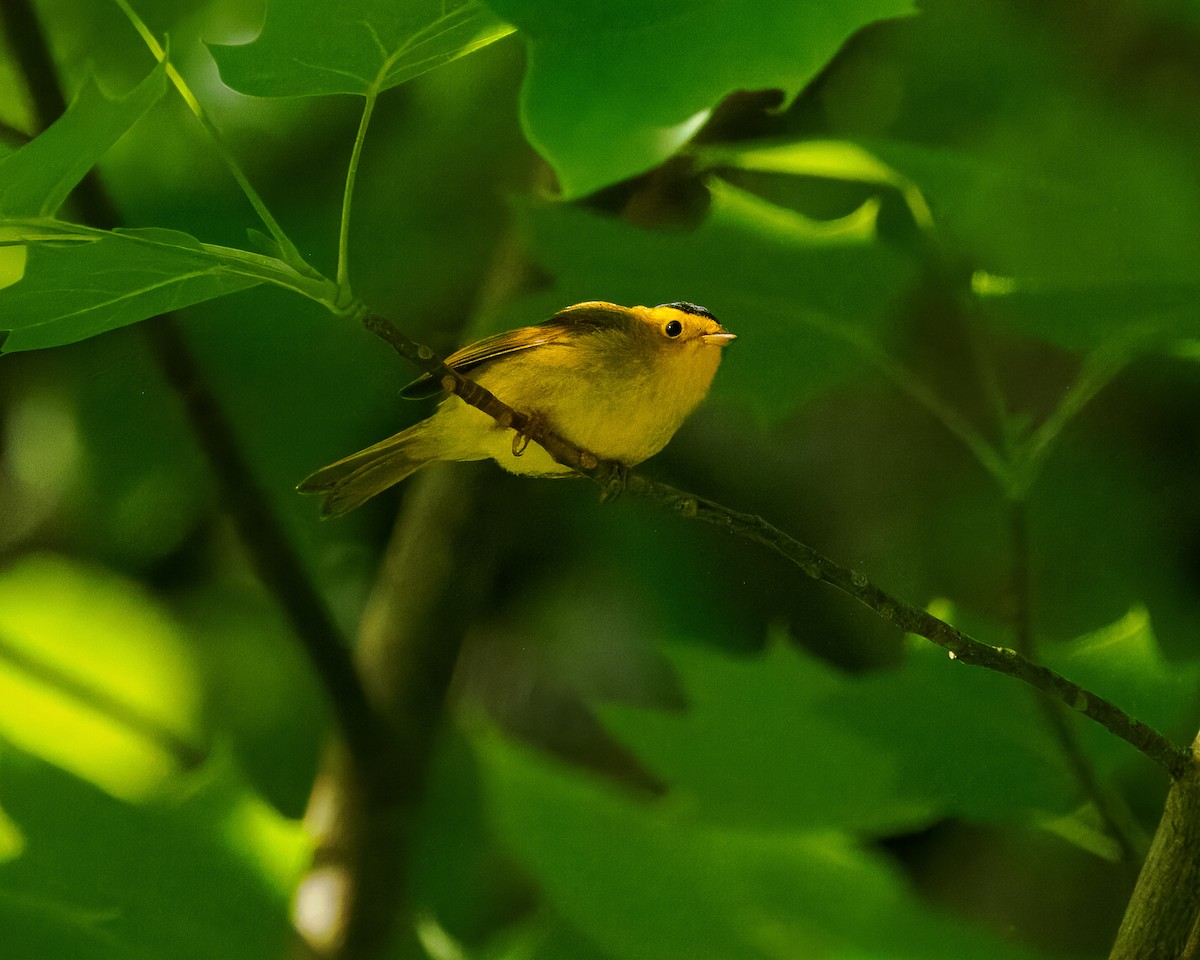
988 456
1099 369
343 264
290 252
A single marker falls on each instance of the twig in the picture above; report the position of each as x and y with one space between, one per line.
1168 755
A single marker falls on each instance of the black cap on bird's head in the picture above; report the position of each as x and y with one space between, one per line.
693 308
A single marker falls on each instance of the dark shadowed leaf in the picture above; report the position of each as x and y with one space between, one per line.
649 882
785 739
203 873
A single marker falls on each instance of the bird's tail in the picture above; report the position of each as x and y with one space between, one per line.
352 481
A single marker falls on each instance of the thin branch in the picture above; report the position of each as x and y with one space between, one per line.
613 477
911 619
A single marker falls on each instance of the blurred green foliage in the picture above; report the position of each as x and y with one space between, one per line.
948 228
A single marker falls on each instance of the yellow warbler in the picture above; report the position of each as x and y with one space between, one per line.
616 381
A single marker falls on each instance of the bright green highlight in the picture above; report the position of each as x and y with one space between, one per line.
12 264
94 676
280 848
311 48
12 842
833 159
613 94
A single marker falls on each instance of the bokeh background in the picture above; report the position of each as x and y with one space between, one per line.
658 740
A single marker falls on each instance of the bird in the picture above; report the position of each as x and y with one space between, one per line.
615 381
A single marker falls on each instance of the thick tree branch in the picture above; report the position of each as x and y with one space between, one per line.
1168 755
1163 915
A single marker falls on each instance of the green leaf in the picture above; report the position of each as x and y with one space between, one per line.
613 92
648 882
792 289
204 872
310 47
35 181
1122 662
784 739
834 159
94 676
93 281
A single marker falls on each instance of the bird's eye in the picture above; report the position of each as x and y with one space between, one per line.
673 328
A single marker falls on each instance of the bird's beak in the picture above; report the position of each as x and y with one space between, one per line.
718 339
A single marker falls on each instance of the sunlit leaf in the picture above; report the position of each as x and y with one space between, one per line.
76 290
610 95
36 179
309 47
648 882
94 676
12 842
837 160
12 264
1087 830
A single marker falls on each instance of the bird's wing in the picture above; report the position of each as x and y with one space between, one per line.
555 330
